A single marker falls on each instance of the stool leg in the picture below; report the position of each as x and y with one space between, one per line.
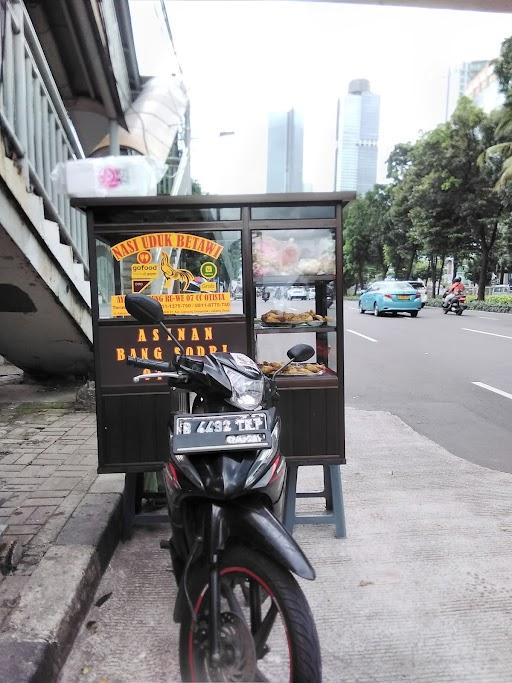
129 504
338 505
289 498
327 488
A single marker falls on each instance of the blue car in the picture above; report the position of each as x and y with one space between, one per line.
391 296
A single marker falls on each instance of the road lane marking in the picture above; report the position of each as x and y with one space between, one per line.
363 336
493 389
491 334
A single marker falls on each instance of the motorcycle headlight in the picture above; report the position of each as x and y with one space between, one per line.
247 392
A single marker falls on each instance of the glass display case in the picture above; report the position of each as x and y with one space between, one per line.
253 274
294 277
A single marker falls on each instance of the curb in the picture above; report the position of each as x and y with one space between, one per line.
11 379
39 634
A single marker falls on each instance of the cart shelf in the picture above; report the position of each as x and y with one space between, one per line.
327 380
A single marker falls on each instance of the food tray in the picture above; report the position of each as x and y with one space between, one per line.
293 370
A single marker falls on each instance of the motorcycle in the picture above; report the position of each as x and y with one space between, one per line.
242 615
457 305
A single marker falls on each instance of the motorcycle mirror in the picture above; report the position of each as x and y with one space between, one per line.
300 352
144 309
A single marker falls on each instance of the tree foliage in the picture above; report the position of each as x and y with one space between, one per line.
443 200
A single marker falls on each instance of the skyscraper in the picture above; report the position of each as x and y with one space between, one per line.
459 78
484 90
357 136
285 151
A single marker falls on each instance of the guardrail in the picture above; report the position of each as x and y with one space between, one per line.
36 124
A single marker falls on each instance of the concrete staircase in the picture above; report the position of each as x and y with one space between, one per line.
45 301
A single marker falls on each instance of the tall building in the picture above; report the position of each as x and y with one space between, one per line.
357 136
285 151
483 89
459 78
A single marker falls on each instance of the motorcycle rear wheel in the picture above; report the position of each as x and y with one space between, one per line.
290 652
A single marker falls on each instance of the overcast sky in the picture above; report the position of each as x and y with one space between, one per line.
242 60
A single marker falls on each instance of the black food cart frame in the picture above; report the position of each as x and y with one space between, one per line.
132 419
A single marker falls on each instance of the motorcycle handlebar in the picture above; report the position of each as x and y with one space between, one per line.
156 365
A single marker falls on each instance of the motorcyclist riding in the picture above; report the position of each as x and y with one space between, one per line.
454 290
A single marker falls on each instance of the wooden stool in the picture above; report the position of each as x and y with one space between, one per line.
332 492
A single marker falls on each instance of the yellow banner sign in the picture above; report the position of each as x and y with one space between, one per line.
181 304
175 240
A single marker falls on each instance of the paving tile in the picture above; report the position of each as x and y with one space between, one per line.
39 470
30 488
18 478
6 512
22 529
24 539
57 483
41 515
25 459
9 458
36 502
21 514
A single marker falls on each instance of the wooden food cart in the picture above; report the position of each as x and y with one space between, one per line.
251 274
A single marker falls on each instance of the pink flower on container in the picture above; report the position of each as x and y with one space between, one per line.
110 177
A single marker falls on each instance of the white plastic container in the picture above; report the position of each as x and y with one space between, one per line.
113 176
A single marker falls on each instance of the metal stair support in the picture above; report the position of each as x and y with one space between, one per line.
35 123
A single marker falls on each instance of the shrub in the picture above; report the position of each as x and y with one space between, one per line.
497 303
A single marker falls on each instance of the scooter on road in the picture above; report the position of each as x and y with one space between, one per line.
456 305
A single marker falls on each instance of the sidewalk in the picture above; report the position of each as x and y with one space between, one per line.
60 525
420 590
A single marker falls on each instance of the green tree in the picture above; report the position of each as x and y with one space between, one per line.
448 195
356 238
502 144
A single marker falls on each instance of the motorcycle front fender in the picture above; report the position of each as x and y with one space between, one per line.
251 520
255 525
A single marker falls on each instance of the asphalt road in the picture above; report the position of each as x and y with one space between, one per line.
424 370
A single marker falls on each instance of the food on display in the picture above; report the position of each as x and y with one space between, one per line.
269 367
273 256
275 317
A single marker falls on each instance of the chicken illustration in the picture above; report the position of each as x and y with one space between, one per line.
183 276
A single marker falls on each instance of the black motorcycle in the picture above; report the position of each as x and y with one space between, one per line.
242 615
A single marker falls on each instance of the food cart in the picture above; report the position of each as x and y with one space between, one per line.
252 274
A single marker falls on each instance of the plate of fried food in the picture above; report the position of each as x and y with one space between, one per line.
292 319
302 369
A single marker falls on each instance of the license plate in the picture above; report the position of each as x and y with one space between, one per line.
227 431
403 297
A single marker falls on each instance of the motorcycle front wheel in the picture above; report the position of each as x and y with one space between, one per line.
267 632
